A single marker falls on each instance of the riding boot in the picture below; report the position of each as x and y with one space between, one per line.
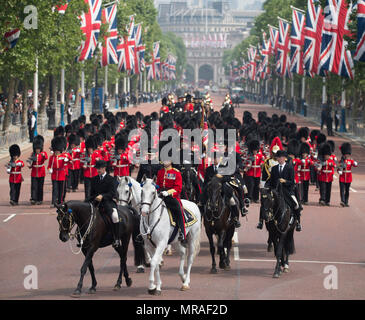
235 216
115 230
299 226
260 224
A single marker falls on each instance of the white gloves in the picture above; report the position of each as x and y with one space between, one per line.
165 193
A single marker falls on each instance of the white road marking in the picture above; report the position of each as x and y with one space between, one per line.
306 261
10 217
30 213
352 189
236 251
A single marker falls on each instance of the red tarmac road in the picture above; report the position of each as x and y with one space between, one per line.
331 236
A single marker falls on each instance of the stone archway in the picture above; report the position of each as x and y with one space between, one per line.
190 74
206 73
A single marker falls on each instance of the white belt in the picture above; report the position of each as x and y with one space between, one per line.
90 166
327 171
256 167
15 172
75 159
122 166
38 166
346 171
304 170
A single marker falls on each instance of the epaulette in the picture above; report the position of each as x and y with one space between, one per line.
176 169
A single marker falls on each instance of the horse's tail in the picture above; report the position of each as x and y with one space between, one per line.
139 252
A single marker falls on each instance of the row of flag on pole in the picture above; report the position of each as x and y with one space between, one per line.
128 52
215 40
313 43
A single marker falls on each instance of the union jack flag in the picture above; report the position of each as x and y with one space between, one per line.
156 61
265 52
360 49
11 38
252 62
282 61
274 39
334 54
172 66
90 26
109 52
139 50
312 38
125 50
296 42
149 69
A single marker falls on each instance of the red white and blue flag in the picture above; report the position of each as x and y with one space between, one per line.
265 53
139 50
283 48
296 42
172 67
360 49
312 38
274 39
334 54
109 52
90 26
156 61
149 69
11 38
125 50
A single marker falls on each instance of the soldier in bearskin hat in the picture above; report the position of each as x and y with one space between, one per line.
344 171
38 171
306 165
121 162
75 163
14 169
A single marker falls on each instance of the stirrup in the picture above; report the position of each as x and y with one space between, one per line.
291 221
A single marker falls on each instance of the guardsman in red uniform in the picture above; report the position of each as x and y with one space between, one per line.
75 164
121 162
188 106
57 166
14 169
345 173
82 134
333 156
89 160
326 169
305 169
169 181
254 162
37 165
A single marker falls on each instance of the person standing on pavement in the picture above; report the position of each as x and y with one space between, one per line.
14 168
69 114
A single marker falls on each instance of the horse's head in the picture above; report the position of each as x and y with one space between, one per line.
148 194
65 220
215 200
125 192
267 203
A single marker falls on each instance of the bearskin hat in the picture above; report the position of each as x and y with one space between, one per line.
90 143
59 131
293 147
253 145
81 133
303 133
89 128
74 139
164 101
346 148
188 98
321 138
14 150
332 144
282 118
98 139
38 143
314 134
325 149
68 129
304 148
58 144
121 142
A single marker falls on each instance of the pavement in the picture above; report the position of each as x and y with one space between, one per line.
329 262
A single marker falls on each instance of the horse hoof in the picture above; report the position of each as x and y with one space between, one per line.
213 271
152 292
76 294
168 253
286 270
162 264
184 288
140 270
269 248
128 282
147 265
276 275
92 291
227 268
117 287
222 265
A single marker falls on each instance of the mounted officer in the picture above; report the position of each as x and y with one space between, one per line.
104 192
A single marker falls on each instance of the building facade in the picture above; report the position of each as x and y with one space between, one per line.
208 28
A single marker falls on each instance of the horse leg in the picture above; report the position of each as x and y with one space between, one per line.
222 254
212 251
125 244
191 255
155 261
92 290
278 254
85 265
228 245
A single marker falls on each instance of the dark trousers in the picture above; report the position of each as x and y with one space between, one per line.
87 184
15 191
305 189
36 189
345 192
177 212
58 189
313 174
253 187
73 179
31 134
81 176
325 191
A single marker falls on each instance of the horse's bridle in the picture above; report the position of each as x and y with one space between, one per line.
129 197
71 221
150 204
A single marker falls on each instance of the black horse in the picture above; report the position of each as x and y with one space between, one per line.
277 214
189 188
93 233
217 221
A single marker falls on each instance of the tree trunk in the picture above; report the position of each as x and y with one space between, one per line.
42 118
10 105
25 103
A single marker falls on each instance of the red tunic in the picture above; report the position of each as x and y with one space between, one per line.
254 168
305 174
170 179
75 163
346 175
189 107
15 175
89 168
297 163
38 166
58 165
327 171
121 166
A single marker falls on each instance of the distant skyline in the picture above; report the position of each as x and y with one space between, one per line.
241 5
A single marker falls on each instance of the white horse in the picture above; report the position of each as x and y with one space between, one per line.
156 230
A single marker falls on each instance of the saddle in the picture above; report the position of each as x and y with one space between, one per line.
189 218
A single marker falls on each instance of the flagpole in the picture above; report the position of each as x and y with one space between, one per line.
106 84
82 92
144 82
62 123
300 10
343 110
35 96
324 93
284 92
303 93
117 94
